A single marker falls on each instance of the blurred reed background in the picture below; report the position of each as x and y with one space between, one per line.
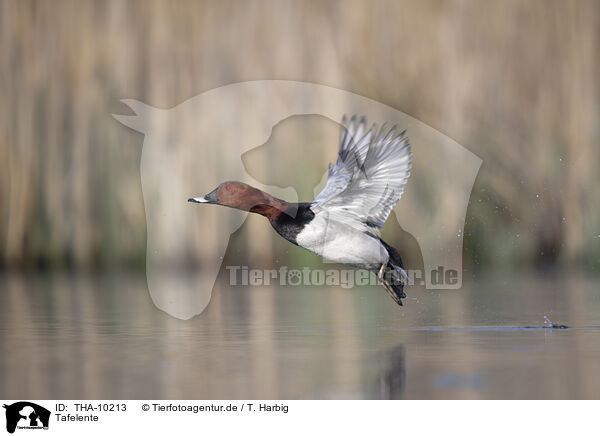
515 82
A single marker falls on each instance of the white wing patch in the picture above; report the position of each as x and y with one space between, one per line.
368 178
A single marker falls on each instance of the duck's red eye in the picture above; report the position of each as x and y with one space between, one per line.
228 188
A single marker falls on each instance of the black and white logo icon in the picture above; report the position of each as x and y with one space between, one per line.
26 415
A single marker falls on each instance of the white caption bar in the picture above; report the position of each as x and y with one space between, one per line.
296 417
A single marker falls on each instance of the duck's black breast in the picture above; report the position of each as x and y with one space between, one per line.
289 224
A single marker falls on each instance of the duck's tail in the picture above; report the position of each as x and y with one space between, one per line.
394 276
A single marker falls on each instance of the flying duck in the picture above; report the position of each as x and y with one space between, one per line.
342 223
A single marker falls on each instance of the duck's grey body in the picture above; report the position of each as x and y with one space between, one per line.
340 243
342 223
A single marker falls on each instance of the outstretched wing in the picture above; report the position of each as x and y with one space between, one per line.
368 178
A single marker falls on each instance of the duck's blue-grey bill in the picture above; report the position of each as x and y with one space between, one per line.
211 197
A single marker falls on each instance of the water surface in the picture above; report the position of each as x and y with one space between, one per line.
100 337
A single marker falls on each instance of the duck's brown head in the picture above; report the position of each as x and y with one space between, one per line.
244 197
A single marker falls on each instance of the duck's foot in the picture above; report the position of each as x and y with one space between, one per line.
388 286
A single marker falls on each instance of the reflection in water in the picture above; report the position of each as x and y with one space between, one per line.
393 374
101 337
